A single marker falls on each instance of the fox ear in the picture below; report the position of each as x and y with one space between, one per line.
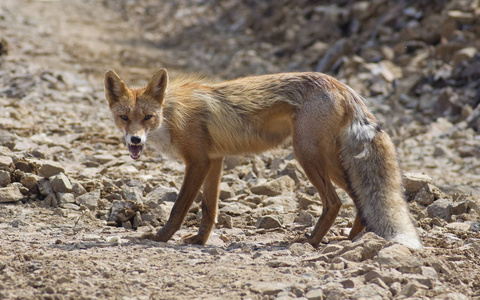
114 87
156 87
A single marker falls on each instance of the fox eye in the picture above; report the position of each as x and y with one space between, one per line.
123 117
148 117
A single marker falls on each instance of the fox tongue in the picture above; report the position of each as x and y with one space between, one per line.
135 151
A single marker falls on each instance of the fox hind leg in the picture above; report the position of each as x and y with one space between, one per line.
357 227
316 170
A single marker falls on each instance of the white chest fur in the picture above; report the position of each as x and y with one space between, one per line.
161 141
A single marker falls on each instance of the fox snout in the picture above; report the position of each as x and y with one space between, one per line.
135 144
135 139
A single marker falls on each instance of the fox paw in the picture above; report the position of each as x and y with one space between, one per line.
305 239
193 239
153 237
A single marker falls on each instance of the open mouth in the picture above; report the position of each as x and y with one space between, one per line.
135 150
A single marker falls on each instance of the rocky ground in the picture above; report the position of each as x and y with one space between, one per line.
73 204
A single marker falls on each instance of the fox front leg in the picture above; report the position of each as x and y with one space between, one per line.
209 204
195 174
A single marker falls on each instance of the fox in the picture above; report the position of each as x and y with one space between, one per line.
335 138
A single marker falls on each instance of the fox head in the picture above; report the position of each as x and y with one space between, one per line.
136 111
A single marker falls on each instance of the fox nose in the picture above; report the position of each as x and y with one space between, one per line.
135 139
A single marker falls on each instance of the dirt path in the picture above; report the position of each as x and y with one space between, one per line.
55 248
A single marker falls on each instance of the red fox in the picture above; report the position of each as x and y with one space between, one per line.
335 139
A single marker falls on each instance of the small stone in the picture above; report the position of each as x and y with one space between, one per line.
235 209
137 220
460 207
395 288
269 222
475 227
299 249
305 201
45 187
370 291
117 206
224 220
275 187
30 181
89 200
161 194
316 294
351 283
442 208
461 16
397 256
305 218
78 189
24 166
4 178
225 191
50 168
103 158
268 288
64 198
429 272
413 182
380 283
6 163
365 247
10 194
60 183
459 226
50 201
413 288
352 255
132 193
452 296
285 201
372 244
424 196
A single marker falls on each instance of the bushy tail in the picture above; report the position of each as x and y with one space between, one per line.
369 158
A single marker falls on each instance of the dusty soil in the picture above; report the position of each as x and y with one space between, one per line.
73 204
